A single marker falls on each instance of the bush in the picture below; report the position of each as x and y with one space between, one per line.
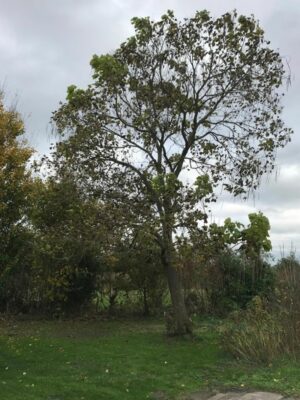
15 278
226 282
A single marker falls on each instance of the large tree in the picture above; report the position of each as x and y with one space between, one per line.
202 94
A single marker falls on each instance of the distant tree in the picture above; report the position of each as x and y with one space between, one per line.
252 239
199 94
15 186
70 240
228 263
256 235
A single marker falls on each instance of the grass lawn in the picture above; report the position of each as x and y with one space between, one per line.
113 360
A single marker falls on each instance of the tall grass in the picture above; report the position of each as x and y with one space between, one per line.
253 334
288 302
267 330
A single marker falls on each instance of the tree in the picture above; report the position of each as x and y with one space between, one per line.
256 235
15 185
233 269
200 94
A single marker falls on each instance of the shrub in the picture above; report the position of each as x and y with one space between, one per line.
225 282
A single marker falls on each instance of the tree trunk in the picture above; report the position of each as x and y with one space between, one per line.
112 301
146 312
181 322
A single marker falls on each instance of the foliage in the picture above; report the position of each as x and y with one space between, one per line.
139 259
225 283
252 240
234 286
220 269
15 186
256 235
69 232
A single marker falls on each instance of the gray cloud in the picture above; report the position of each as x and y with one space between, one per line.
46 46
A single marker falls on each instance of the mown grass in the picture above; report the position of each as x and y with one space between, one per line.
89 360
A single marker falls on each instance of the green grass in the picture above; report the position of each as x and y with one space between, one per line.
115 360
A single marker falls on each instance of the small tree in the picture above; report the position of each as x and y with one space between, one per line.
225 264
200 94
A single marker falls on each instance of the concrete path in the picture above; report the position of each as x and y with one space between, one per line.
235 396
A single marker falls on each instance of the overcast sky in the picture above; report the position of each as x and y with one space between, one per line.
46 45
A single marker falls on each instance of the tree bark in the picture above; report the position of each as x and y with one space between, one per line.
146 312
182 323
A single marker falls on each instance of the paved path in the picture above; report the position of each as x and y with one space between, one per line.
235 396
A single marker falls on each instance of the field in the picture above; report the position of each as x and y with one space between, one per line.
113 360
